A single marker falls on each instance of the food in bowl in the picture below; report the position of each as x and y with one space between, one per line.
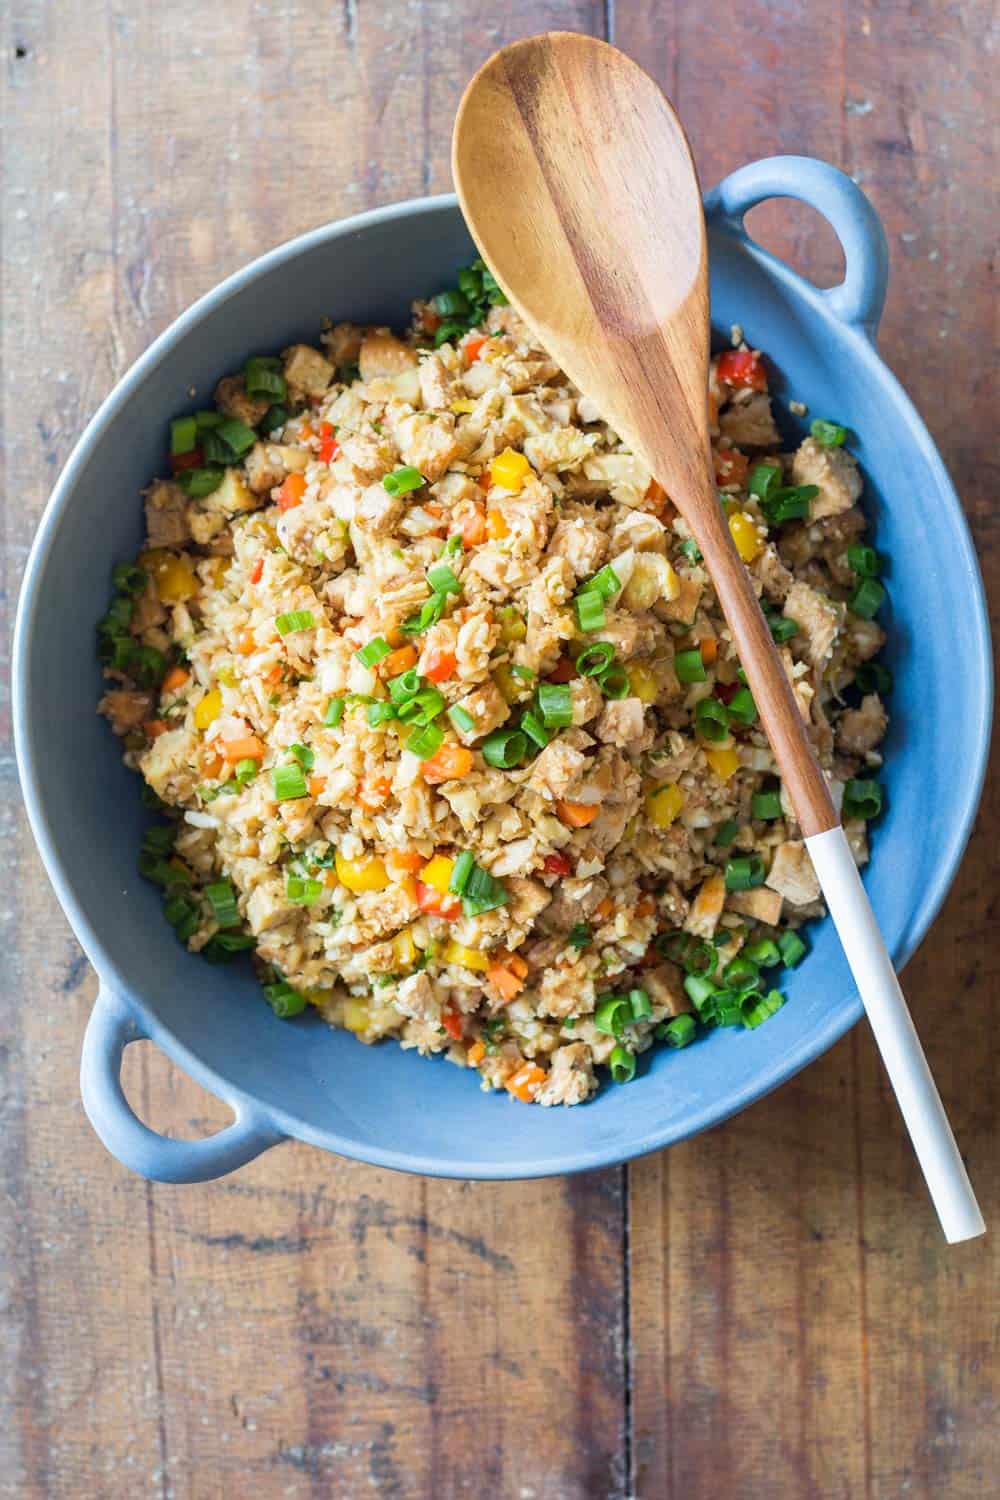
430 683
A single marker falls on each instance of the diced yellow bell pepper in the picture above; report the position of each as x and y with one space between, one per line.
219 569
642 683
512 626
511 688
664 804
173 577
469 958
509 469
724 763
404 948
355 1015
745 534
227 676
361 874
437 873
208 710
463 406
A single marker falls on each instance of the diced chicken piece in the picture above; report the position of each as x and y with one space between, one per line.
264 468
378 511
588 700
639 531
370 454
383 912
231 397
382 353
762 904
307 371
166 503
487 708
706 908
527 899
268 906
818 617
584 546
564 449
232 496
622 723
774 576
792 874
125 709
862 729
632 635
557 769
167 764
427 442
748 421
416 997
343 343
862 638
571 1078
685 606
836 473
438 386
652 581
203 524
665 986
627 479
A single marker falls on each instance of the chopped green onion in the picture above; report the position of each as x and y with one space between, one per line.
579 935
699 957
430 612
766 805
296 619
863 560
375 651
505 748
728 1009
425 741
534 729
742 707
303 755
482 893
334 713
159 838
452 303
183 435
148 665
525 673
764 479
689 666
828 434
711 720
673 945
406 686
288 782
595 659
726 832
678 1032
401 481
378 713
789 503
555 703
303 891
862 799
223 902
613 682
451 329
263 377
222 945
276 416
590 611
782 629
453 546
792 949
867 599
605 582
741 974
462 719
237 436
765 953
759 1008
442 580
612 1014
461 870
428 703
197 483
691 550
640 1004
208 420
182 914
872 677
283 1000
744 872
128 579
699 990
246 770
622 1064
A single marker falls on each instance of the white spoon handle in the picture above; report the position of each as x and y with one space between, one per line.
896 1036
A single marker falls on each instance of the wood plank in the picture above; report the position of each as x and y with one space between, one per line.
798 1325
309 1326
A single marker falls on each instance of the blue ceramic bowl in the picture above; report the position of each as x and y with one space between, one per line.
381 1104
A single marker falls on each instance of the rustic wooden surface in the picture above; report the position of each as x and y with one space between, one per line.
767 1312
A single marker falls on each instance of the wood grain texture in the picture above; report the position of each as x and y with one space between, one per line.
312 1328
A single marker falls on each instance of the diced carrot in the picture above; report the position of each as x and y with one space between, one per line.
317 784
291 492
576 814
517 963
452 1023
439 665
433 509
306 432
504 982
273 677
526 1082
604 909
557 864
496 526
329 449
655 497
645 906
434 904
153 727
330 879
257 571
374 792
474 529
449 763
564 671
175 678
246 644
709 648
211 763
731 466
402 862
395 636
475 1054
473 349
398 662
246 747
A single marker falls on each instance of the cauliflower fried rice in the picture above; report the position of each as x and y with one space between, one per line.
424 674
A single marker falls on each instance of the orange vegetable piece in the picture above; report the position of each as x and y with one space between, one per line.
742 367
403 862
576 814
476 1053
247 747
645 906
655 497
174 679
452 1023
473 350
518 965
211 763
709 648
604 909
496 526
398 662
247 645
257 570
153 727
291 492
374 792
434 904
526 1082
449 763
433 509
317 784
731 466
439 665
474 529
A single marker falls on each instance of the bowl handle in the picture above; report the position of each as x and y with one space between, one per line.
860 297
113 1025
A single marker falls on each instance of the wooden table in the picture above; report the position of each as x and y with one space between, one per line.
767 1312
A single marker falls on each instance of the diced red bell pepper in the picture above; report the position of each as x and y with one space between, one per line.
181 461
452 1023
439 665
434 903
742 367
557 864
564 671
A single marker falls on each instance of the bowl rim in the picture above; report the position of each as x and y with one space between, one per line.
816 1041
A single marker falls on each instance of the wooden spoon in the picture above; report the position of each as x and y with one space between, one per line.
578 185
